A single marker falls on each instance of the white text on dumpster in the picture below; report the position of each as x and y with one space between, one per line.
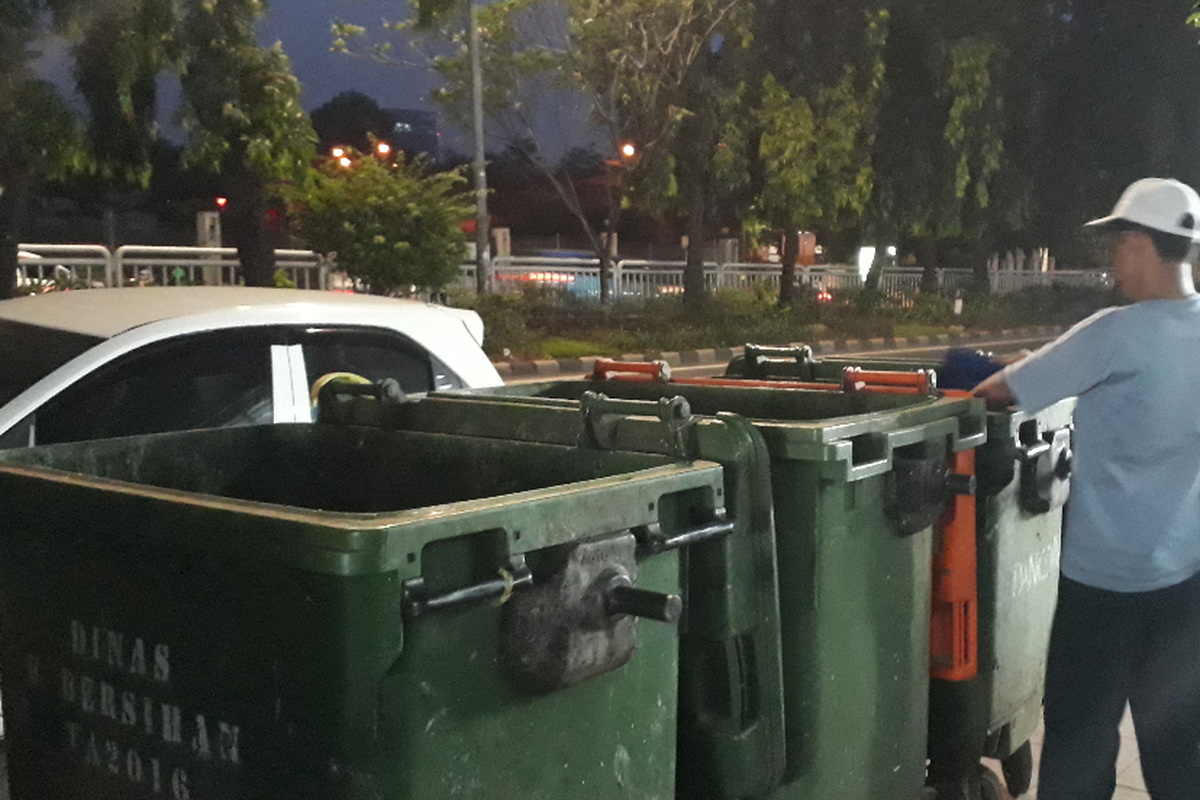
121 722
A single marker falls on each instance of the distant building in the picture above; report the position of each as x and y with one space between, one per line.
414 132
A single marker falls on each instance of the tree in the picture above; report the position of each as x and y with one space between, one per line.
963 110
817 118
116 67
243 117
621 65
1122 80
389 224
40 136
350 118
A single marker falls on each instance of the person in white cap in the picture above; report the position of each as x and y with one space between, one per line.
1127 624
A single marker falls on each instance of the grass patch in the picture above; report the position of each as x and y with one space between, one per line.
555 347
549 324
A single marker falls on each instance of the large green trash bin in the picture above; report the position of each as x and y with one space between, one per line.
853 536
325 612
731 737
1023 479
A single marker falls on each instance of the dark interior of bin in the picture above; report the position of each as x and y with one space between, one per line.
755 403
333 468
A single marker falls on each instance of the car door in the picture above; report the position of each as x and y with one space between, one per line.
204 380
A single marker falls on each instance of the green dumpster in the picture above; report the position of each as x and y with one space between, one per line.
730 737
856 486
1023 480
326 612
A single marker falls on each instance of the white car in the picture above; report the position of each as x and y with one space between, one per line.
120 362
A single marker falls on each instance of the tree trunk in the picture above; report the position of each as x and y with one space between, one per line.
694 292
927 257
247 207
14 201
606 261
787 281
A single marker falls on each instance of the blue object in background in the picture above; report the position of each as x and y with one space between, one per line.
965 369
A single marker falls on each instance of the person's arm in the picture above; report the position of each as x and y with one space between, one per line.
1067 367
995 392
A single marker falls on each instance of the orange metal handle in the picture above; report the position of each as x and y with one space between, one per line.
608 369
922 381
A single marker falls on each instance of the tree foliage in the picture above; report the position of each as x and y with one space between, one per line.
624 65
350 118
116 67
816 126
390 225
40 135
243 117
241 101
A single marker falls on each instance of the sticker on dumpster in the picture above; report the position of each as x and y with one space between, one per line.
1034 571
121 721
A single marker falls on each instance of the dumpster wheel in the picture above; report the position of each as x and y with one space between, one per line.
989 785
1018 770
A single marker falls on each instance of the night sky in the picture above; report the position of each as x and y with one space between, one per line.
303 27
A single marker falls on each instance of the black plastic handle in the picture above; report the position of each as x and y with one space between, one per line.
654 541
800 353
622 598
760 359
416 602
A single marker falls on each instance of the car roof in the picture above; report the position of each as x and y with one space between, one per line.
104 313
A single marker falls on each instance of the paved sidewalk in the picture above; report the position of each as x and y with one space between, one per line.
1129 768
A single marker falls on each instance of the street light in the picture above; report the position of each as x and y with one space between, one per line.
345 161
337 152
383 148
628 150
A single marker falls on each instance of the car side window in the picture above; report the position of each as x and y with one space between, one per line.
209 380
376 356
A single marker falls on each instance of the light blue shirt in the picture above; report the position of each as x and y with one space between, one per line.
1133 521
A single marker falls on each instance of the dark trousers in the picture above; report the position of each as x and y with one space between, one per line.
1109 648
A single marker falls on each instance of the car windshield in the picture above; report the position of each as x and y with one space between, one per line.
29 353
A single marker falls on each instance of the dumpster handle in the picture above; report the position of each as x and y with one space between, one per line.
653 541
605 368
416 602
759 358
601 413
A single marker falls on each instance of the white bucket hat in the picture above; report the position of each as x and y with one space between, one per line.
1159 203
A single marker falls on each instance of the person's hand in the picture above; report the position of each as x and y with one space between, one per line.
1012 359
995 392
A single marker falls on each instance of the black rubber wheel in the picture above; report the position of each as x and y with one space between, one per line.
989 785
1018 770
965 787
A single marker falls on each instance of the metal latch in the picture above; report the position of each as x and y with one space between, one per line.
1046 463
916 491
578 621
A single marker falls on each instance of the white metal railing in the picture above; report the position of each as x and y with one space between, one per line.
63 265
644 279
136 265
84 266
1005 281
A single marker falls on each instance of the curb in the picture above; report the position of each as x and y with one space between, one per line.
721 355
